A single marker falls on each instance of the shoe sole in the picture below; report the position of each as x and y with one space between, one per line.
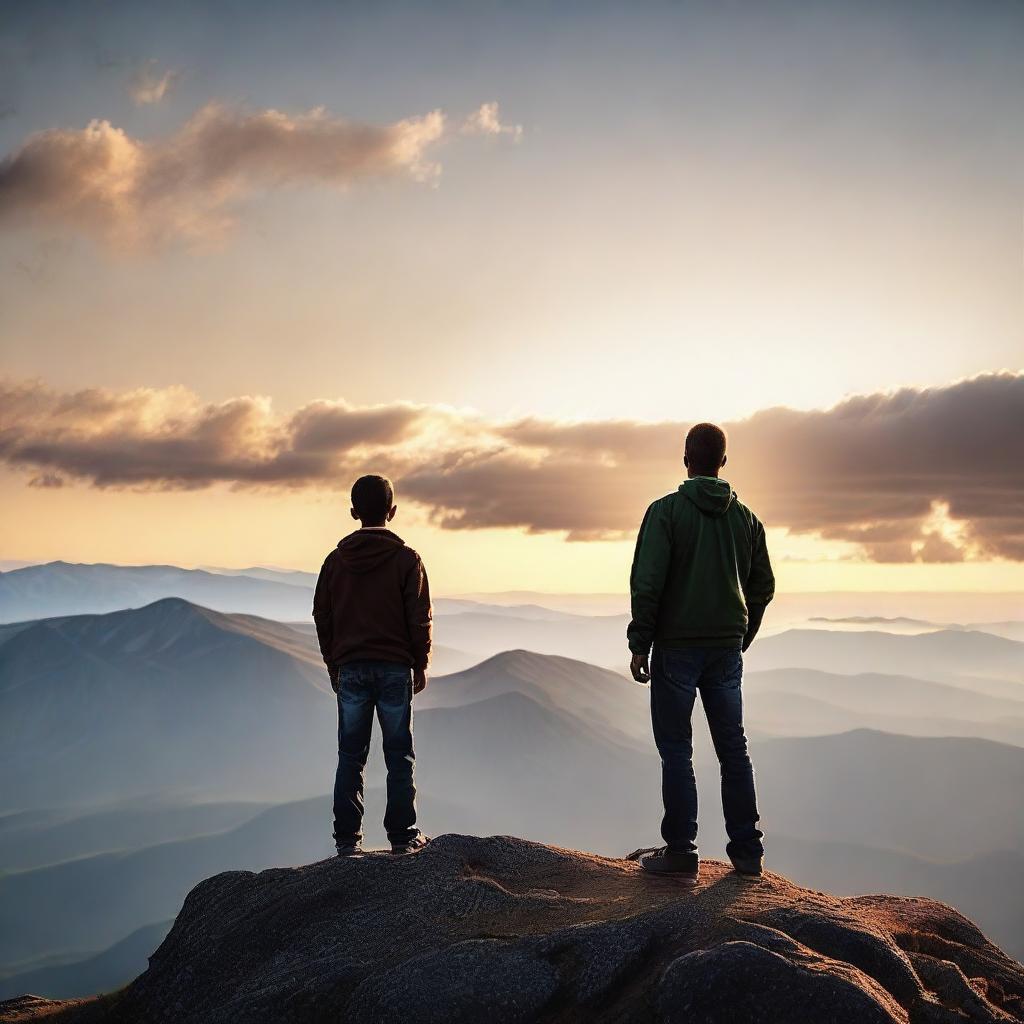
680 876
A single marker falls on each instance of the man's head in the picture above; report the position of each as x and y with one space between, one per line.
373 500
705 450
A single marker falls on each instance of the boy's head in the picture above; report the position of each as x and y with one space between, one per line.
373 500
705 450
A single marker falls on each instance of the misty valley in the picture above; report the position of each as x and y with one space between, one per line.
159 725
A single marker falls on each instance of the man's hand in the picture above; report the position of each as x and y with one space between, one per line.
640 669
333 675
754 616
419 680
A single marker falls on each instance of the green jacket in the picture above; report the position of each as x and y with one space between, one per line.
700 564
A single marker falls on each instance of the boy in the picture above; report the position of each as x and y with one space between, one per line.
373 621
700 582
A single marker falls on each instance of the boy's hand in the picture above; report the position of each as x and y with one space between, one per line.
639 667
333 676
419 680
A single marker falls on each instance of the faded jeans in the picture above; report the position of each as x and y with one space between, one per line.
676 676
387 687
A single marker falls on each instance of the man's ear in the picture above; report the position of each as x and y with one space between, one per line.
391 513
355 514
725 459
686 461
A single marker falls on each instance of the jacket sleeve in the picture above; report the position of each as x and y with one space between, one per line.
759 587
322 614
418 613
651 561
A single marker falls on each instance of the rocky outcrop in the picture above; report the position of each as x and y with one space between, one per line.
503 931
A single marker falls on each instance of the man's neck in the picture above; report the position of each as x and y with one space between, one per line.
378 526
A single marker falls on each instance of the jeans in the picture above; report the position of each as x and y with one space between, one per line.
717 672
363 686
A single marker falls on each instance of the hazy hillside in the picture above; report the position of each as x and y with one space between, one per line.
54 589
594 694
170 698
941 798
946 656
177 699
793 702
35 839
93 902
600 640
167 710
1012 630
103 972
876 807
976 886
63 588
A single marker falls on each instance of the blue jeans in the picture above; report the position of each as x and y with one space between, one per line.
717 672
362 687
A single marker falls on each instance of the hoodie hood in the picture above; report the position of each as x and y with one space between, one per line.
365 550
711 494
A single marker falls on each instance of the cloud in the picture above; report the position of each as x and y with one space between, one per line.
487 121
928 474
148 85
168 439
129 191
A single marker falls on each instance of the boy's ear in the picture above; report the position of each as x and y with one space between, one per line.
391 513
686 461
355 514
725 459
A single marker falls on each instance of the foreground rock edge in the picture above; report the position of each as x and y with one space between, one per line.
511 931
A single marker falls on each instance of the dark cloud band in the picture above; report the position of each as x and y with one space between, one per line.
929 474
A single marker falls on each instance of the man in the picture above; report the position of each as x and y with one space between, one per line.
373 621
700 582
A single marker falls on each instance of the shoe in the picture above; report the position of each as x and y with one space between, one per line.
410 845
745 859
682 866
349 849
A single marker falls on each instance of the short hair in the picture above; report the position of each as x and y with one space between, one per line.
372 497
705 447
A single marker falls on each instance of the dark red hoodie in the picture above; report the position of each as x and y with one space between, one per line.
372 602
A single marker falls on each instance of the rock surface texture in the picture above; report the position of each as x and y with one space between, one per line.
503 931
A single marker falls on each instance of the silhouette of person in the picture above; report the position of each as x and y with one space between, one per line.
373 622
699 585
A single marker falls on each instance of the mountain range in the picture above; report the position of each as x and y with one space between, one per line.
142 749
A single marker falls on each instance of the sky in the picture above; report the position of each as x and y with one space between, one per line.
508 253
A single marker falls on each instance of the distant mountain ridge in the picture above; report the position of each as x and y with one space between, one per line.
63 588
944 656
192 704
1012 630
55 589
163 698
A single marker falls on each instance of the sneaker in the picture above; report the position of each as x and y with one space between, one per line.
683 866
349 849
746 859
417 842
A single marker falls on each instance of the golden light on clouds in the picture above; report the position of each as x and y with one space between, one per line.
129 192
925 476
